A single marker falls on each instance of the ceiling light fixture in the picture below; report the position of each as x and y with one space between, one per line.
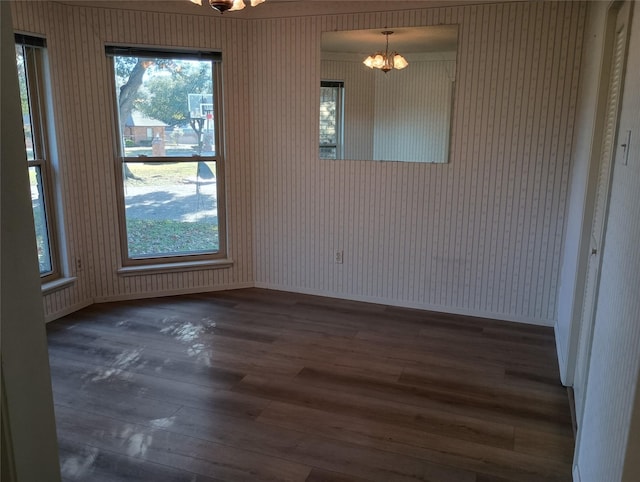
385 61
232 5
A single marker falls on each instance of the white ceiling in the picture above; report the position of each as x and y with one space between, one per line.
439 38
274 8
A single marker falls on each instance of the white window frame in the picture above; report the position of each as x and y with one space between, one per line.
339 144
172 261
34 54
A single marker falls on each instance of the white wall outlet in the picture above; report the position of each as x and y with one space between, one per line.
338 256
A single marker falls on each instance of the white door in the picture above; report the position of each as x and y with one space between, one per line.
609 144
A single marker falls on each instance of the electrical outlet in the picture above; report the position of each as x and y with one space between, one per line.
338 257
78 264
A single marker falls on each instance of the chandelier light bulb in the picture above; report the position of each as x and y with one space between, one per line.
385 61
237 5
399 62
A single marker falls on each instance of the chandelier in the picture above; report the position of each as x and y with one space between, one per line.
229 5
385 61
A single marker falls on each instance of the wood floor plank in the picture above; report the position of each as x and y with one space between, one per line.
206 350
555 446
111 358
527 402
292 443
475 347
483 402
159 445
335 400
70 378
303 352
255 384
442 450
82 462
320 475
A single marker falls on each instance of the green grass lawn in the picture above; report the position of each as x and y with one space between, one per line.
151 237
160 237
158 174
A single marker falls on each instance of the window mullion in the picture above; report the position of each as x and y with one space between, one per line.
149 159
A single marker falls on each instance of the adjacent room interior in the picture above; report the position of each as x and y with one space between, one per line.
320 240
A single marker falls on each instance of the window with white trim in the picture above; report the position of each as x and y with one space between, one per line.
170 162
331 119
31 63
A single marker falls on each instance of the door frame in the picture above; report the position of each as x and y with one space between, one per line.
582 329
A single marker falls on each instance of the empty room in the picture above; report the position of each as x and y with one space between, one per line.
320 240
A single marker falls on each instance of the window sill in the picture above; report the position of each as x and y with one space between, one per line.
58 284
173 267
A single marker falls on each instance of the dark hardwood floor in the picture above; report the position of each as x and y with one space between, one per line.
263 385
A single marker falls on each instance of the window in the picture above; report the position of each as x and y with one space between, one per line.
331 119
30 59
170 164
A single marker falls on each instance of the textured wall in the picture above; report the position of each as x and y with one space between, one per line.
83 108
480 235
414 123
359 112
401 117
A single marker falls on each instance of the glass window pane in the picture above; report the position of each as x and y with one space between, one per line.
171 208
24 100
331 119
165 106
328 116
328 152
40 219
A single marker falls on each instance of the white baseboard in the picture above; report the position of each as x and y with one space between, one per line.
137 296
67 311
562 360
408 304
326 294
159 294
